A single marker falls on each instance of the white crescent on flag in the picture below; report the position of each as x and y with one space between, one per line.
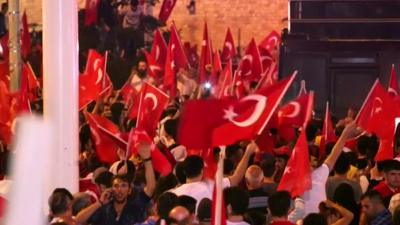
393 91
248 58
259 109
272 42
157 53
377 105
99 70
296 110
153 99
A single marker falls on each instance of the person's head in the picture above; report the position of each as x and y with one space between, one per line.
134 4
121 188
180 172
126 168
81 201
372 204
169 131
254 177
236 201
391 173
342 165
165 183
313 152
344 196
180 215
314 219
190 204
279 204
165 203
351 112
60 203
204 211
363 143
116 112
311 131
103 180
330 214
268 167
142 69
193 167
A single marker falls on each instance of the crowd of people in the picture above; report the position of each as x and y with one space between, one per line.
348 185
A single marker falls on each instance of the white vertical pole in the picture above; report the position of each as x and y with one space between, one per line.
60 64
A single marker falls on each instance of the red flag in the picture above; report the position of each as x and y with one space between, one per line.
244 121
33 83
170 72
378 113
152 104
223 122
191 54
250 67
159 161
127 91
95 81
206 55
296 178
154 70
106 148
328 132
5 50
225 83
159 49
229 49
176 45
385 151
295 112
269 78
214 207
166 9
239 90
266 59
25 37
393 88
91 12
271 41
22 96
4 73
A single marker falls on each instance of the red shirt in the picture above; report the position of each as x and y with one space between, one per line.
385 192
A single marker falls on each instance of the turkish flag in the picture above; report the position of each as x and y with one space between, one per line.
6 116
206 56
95 81
170 72
229 49
217 68
378 112
386 150
295 112
175 45
25 37
328 132
270 77
91 12
247 117
225 83
106 148
250 67
33 83
134 104
127 91
159 49
159 161
296 178
266 59
152 104
166 9
271 41
239 89
154 70
22 96
4 47
393 88
191 54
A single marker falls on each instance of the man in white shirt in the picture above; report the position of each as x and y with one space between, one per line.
198 188
319 176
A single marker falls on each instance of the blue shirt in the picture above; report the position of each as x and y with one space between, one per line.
133 212
383 218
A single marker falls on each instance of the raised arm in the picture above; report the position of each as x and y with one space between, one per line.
242 166
145 155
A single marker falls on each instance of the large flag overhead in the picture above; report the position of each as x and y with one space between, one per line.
225 121
229 49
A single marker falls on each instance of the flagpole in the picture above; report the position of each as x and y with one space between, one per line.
60 92
218 185
15 46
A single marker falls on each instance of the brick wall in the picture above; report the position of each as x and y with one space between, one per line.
254 18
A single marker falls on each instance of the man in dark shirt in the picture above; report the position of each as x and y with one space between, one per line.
122 205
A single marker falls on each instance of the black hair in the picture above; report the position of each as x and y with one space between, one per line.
268 166
104 178
314 219
193 166
165 183
204 210
363 143
131 169
58 201
279 203
311 131
342 164
238 199
391 165
165 203
373 195
171 128
228 167
116 112
123 178
188 202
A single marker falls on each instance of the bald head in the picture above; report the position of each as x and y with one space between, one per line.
179 213
254 177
